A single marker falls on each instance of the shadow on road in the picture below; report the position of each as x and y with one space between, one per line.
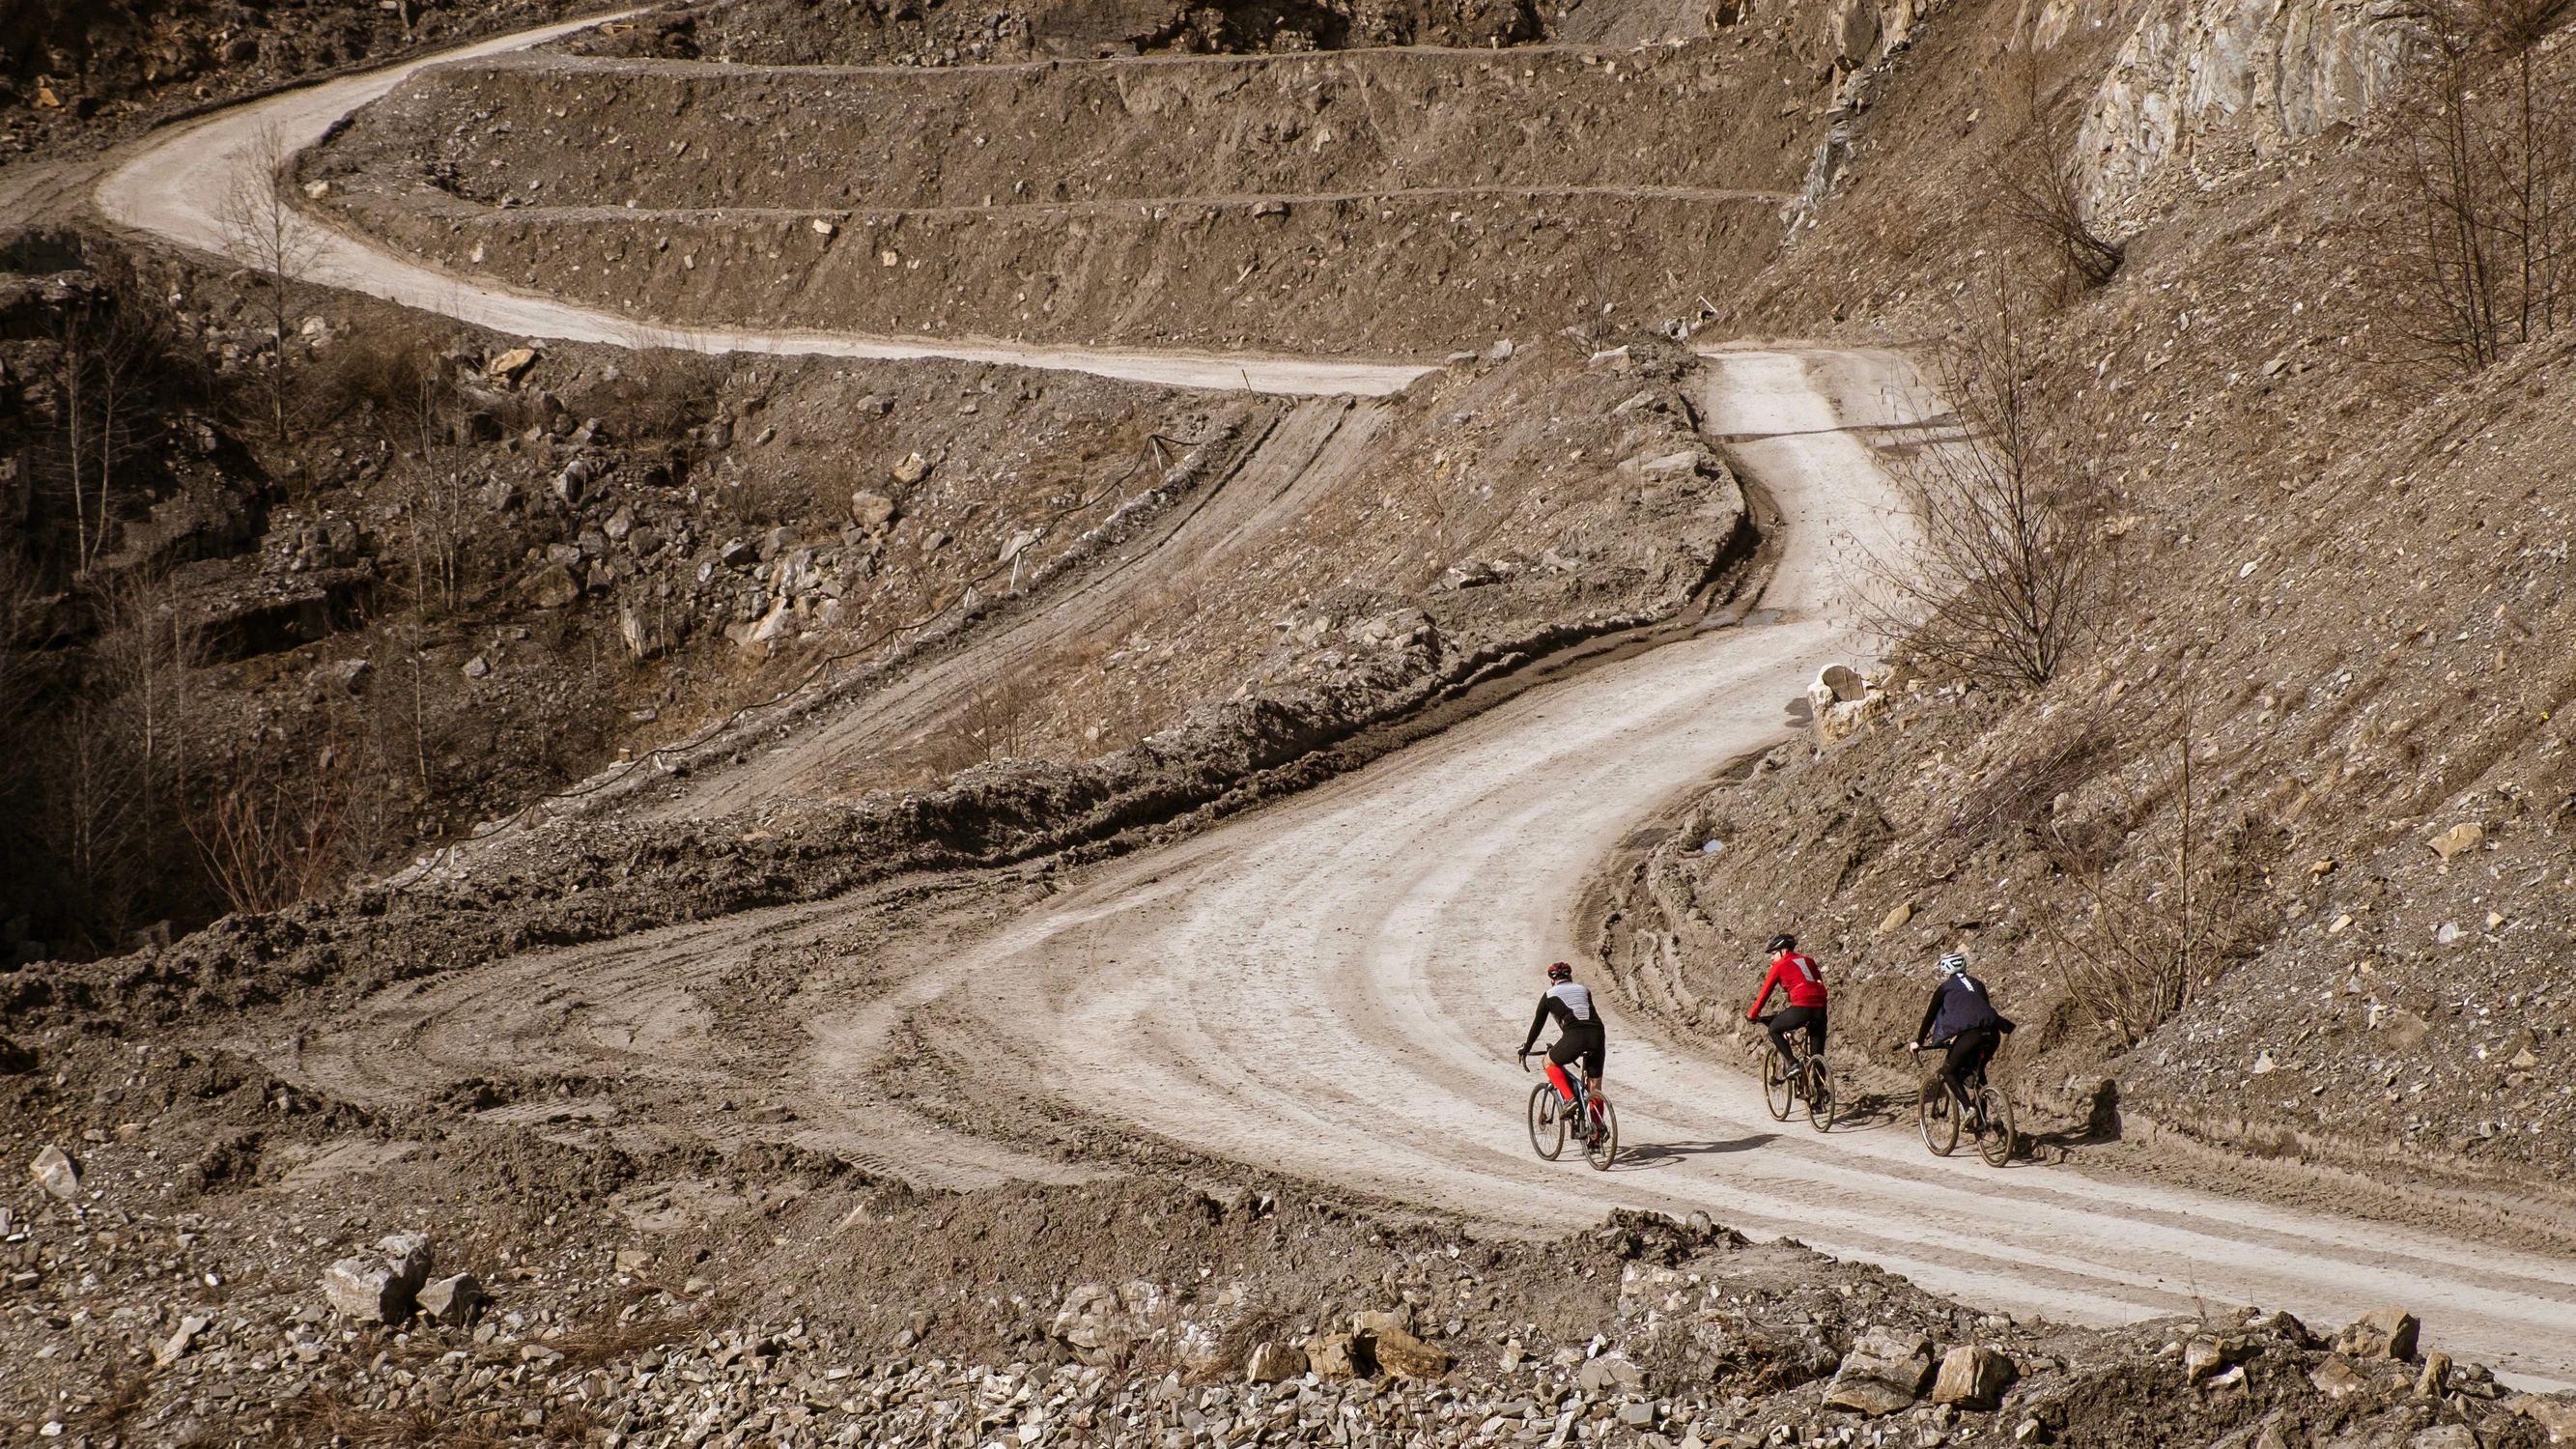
1656 1154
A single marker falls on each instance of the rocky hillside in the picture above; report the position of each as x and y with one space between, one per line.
75 76
2332 573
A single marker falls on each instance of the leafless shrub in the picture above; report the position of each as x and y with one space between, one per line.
2005 582
2039 183
264 232
2485 165
2136 954
272 830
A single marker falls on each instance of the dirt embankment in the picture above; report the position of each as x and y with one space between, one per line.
1402 575
1276 202
167 1283
906 32
2338 579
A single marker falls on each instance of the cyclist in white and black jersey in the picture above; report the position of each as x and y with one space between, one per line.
1578 1026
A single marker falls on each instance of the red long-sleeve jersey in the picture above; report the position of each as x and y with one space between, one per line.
1796 975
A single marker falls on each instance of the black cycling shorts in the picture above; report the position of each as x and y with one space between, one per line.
1583 1040
1789 1018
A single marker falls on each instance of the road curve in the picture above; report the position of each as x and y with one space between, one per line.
174 189
1333 987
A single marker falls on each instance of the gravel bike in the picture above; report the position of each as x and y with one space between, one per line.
1784 1086
1587 1115
1984 1112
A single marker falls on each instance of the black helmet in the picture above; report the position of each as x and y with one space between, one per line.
1783 942
1560 972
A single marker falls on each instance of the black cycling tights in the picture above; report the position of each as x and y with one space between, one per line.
1788 1019
1592 1047
1969 1052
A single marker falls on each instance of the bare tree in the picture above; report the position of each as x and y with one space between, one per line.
265 232
2134 957
2011 548
110 346
2040 183
2486 163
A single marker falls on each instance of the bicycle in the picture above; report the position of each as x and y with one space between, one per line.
1985 1112
1550 1114
1784 1087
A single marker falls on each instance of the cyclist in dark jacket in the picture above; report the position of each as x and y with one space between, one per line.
1962 1018
1579 1037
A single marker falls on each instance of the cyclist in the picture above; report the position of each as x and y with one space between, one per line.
1962 1018
1578 1031
1804 981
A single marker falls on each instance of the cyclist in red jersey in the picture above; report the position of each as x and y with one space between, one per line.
1804 981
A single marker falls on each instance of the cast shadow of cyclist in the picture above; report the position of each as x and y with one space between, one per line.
1663 1154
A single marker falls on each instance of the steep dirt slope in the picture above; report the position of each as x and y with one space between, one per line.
1272 203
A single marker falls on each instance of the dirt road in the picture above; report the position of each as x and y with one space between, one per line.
1332 987
174 188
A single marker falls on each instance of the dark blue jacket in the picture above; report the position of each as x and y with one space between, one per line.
1958 1004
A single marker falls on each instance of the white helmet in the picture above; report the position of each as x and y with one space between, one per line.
1952 963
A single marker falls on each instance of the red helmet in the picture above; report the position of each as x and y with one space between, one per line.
1560 972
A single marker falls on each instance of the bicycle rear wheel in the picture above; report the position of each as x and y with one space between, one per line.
1820 1095
1776 1095
1937 1113
1601 1147
1546 1123
1995 1139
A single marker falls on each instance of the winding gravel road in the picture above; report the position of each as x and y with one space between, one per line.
1332 986
174 189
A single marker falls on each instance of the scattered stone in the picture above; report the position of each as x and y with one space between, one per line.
1974 1377
1609 1373
478 667
2435 1380
451 1300
56 1173
1895 920
1406 1356
1334 1356
2207 1354
171 1348
1501 351
381 1286
2336 1378
2458 838
1275 1363
508 366
1842 683
347 676
1885 1372
552 587
2380 1333
912 469
871 510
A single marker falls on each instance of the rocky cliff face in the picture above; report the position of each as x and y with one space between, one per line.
2204 89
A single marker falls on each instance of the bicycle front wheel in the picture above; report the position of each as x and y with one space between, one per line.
1601 1148
1820 1095
1776 1095
1546 1123
1995 1139
1938 1116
